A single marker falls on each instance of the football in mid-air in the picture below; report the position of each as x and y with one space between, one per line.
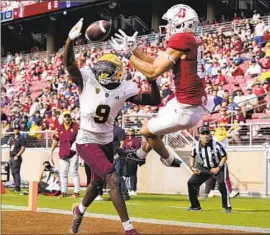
98 31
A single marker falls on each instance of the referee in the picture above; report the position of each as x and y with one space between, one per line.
208 158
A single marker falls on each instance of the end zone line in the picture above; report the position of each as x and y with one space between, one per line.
151 221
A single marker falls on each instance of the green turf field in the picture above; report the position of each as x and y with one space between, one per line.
246 211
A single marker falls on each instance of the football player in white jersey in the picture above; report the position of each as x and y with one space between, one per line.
102 96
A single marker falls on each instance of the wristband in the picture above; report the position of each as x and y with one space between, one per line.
128 55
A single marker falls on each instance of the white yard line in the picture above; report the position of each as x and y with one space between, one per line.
151 221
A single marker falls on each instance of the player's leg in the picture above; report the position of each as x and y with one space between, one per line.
172 118
233 193
88 173
100 159
112 178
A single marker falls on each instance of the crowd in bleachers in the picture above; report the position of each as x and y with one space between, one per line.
237 63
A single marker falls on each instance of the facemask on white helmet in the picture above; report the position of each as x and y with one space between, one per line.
181 18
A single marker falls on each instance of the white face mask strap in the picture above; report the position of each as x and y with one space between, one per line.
168 57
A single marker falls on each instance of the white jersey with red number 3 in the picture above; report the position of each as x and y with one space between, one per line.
99 107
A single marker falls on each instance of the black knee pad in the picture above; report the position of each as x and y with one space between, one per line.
98 185
113 179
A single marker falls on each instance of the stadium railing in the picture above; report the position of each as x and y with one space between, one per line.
252 135
40 139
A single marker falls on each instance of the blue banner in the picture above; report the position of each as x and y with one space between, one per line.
69 4
6 15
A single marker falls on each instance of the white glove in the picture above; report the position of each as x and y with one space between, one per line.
75 32
124 43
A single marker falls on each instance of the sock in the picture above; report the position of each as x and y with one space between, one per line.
169 160
82 208
141 153
127 225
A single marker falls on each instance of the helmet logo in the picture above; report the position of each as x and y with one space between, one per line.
182 13
103 76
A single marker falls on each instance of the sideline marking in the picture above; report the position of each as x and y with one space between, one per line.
151 221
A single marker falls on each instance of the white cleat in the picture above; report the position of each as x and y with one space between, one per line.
234 194
211 194
132 193
99 198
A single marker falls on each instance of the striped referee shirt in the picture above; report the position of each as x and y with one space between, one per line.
208 156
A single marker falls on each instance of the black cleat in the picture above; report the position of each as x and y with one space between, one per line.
176 162
228 210
77 219
194 209
134 157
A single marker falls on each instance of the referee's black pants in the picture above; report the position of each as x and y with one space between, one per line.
197 180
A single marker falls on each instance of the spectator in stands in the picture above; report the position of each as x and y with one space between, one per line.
254 69
217 99
237 70
250 54
251 102
220 80
224 105
258 90
166 91
239 99
24 128
267 49
259 31
6 132
266 85
256 16
237 126
259 54
224 118
38 118
34 130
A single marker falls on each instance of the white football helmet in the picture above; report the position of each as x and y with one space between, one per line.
181 18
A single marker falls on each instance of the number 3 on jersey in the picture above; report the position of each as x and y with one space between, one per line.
102 113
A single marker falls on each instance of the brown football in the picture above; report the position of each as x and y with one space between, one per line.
98 31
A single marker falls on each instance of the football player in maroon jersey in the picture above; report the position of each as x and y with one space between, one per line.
184 55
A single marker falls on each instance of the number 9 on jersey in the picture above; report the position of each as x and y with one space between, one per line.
102 113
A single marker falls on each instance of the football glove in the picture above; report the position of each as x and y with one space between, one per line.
75 32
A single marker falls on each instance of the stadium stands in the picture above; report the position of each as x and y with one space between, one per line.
34 86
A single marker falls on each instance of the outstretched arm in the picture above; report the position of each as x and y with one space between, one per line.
69 57
150 67
161 64
71 66
153 98
139 54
